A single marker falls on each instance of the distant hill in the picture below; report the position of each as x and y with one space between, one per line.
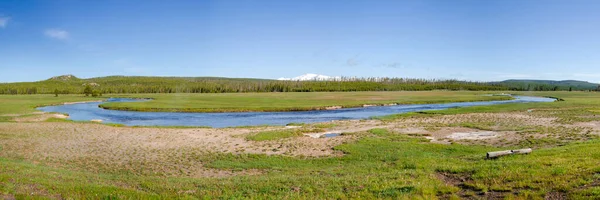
69 84
548 84
67 77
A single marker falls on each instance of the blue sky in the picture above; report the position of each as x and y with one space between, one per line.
463 39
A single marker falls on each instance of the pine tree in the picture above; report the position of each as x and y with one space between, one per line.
87 91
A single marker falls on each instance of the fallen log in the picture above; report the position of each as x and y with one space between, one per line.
522 151
495 154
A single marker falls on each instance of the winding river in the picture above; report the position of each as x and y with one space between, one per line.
91 111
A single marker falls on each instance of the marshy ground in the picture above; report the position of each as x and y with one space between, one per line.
436 154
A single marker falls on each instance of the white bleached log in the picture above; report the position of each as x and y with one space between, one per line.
522 151
495 154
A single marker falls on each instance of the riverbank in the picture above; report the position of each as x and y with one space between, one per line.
91 111
282 102
16 105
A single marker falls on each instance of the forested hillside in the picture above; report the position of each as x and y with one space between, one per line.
548 85
69 84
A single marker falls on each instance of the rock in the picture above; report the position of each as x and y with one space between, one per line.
64 77
91 84
96 120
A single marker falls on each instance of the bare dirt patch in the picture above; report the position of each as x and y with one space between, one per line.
594 125
39 117
477 135
8 197
157 151
182 152
494 129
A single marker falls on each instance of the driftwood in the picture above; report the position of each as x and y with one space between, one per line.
496 154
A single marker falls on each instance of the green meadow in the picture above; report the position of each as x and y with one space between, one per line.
297 101
26 104
378 163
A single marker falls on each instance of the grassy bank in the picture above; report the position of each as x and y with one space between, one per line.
242 102
23 104
574 107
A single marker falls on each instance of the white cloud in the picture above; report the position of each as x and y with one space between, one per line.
354 61
395 65
4 21
57 34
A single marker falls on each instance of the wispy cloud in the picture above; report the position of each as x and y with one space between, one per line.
4 21
58 34
394 65
354 61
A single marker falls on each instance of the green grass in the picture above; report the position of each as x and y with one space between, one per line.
23 104
379 132
384 165
326 125
573 106
280 134
241 102
378 164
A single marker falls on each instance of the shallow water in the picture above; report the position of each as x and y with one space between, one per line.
89 111
330 135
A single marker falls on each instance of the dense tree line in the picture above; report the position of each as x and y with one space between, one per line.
122 84
545 87
548 85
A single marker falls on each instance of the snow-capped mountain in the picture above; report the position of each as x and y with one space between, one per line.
311 77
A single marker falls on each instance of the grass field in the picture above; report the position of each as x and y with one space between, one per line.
24 104
577 106
83 160
241 102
